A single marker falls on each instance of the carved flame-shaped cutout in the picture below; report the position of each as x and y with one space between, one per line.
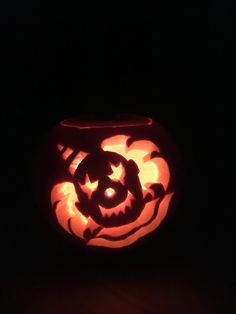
140 213
117 172
89 187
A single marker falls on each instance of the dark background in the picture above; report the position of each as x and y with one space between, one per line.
175 63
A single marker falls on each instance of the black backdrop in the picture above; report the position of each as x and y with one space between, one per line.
175 64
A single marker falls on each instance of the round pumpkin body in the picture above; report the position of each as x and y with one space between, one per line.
107 183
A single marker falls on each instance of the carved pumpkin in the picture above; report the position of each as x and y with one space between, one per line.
111 182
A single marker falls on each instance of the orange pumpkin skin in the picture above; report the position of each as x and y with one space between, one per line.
108 183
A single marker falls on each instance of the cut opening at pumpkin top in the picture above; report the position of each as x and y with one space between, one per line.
106 121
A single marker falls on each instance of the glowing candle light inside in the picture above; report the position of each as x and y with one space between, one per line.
109 192
113 182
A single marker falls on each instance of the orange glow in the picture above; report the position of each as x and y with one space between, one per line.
117 173
115 144
76 161
151 171
67 153
89 187
60 147
65 197
117 209
116 231
109 192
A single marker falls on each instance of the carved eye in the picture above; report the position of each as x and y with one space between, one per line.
91 185
117 172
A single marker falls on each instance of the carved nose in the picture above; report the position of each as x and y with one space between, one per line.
109 192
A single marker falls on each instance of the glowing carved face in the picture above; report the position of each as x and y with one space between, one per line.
115 195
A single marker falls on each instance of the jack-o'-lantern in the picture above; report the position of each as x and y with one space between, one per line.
109 183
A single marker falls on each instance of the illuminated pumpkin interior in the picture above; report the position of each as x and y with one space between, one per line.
89 187
151 171
117 172
109 192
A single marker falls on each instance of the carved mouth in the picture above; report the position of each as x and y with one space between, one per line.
121 209
151 216
122 214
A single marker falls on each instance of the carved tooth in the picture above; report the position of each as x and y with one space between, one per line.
102 210
110 213
117 213
123 209
107 212
130 199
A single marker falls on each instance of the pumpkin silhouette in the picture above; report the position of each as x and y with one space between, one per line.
115 181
